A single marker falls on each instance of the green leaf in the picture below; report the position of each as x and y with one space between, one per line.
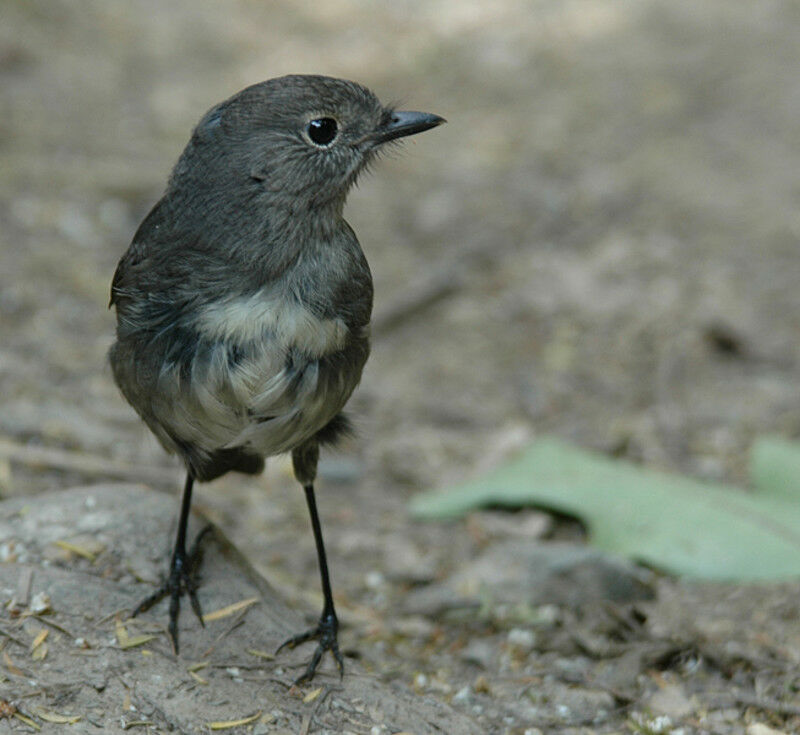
775 468
677 524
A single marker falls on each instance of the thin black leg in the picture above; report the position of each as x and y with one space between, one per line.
183 518
182 571
322 559
327 628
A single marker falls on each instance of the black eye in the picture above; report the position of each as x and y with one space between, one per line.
323 130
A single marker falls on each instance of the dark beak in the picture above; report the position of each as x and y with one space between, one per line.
401 124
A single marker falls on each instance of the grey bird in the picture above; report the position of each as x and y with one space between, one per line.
243 303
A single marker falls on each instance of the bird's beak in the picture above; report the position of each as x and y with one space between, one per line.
401 124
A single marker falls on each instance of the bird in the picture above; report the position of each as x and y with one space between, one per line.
243 302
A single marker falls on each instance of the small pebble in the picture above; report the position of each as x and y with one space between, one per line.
521 640
548 614
233 671
480 652
8 551
40 603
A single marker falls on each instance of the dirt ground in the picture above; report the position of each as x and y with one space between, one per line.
602 245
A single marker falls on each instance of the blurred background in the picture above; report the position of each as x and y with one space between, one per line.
601 244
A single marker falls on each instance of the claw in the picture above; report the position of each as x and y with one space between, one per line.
325 632
182 580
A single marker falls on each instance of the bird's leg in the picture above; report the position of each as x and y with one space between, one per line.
182 577
326 630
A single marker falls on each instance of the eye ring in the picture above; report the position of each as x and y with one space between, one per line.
322 131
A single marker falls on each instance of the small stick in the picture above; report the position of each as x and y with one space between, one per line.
85 464
56 626
414 299
236 623
23 594
12 638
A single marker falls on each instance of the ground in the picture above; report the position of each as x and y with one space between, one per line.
601 244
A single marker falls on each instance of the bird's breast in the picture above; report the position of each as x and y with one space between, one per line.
284 318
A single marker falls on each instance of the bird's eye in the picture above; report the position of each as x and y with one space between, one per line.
322 131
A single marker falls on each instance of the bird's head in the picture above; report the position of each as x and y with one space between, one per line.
301 140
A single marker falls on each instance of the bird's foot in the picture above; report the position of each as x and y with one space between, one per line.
325 633
182 579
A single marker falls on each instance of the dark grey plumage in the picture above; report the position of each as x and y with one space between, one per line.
243 303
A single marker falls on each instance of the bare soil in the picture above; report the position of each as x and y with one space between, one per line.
602 244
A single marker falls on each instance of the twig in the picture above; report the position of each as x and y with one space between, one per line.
236 623
313 713
85 464
23 593
136 723
53 625
110 616
445 278
425 293
12 638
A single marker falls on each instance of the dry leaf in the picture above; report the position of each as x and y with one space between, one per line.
122 633
40 638
56 718
28 721
136 723
10 666
126 641
227 724
261 654
230 609
136 640
311 696
76 549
